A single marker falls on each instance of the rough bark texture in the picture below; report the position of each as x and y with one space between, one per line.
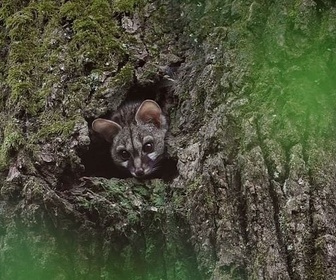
252 112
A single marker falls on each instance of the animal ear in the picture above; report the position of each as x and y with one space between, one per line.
106 128
149 112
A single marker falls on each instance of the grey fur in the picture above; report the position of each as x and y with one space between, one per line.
134 131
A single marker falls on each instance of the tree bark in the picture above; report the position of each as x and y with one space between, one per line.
249 87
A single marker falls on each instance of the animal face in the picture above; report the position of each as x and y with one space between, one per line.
138 140
139 148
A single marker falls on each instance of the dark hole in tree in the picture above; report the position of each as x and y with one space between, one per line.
97 160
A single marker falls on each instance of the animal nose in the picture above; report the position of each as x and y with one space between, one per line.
139 172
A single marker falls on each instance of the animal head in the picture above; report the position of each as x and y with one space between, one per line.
140 145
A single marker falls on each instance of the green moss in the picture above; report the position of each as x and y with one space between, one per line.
54 128
38 62
24 58
17 22
125 5
9 7
95 30
158 196
72 9
46 9
125 75
13 140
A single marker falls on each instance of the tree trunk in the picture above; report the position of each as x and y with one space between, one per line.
249 87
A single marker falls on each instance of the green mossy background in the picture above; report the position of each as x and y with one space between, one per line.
252 127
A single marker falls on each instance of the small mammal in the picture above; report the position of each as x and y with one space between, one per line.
137 133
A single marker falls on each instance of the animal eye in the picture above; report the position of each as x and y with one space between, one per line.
124 154
148 147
